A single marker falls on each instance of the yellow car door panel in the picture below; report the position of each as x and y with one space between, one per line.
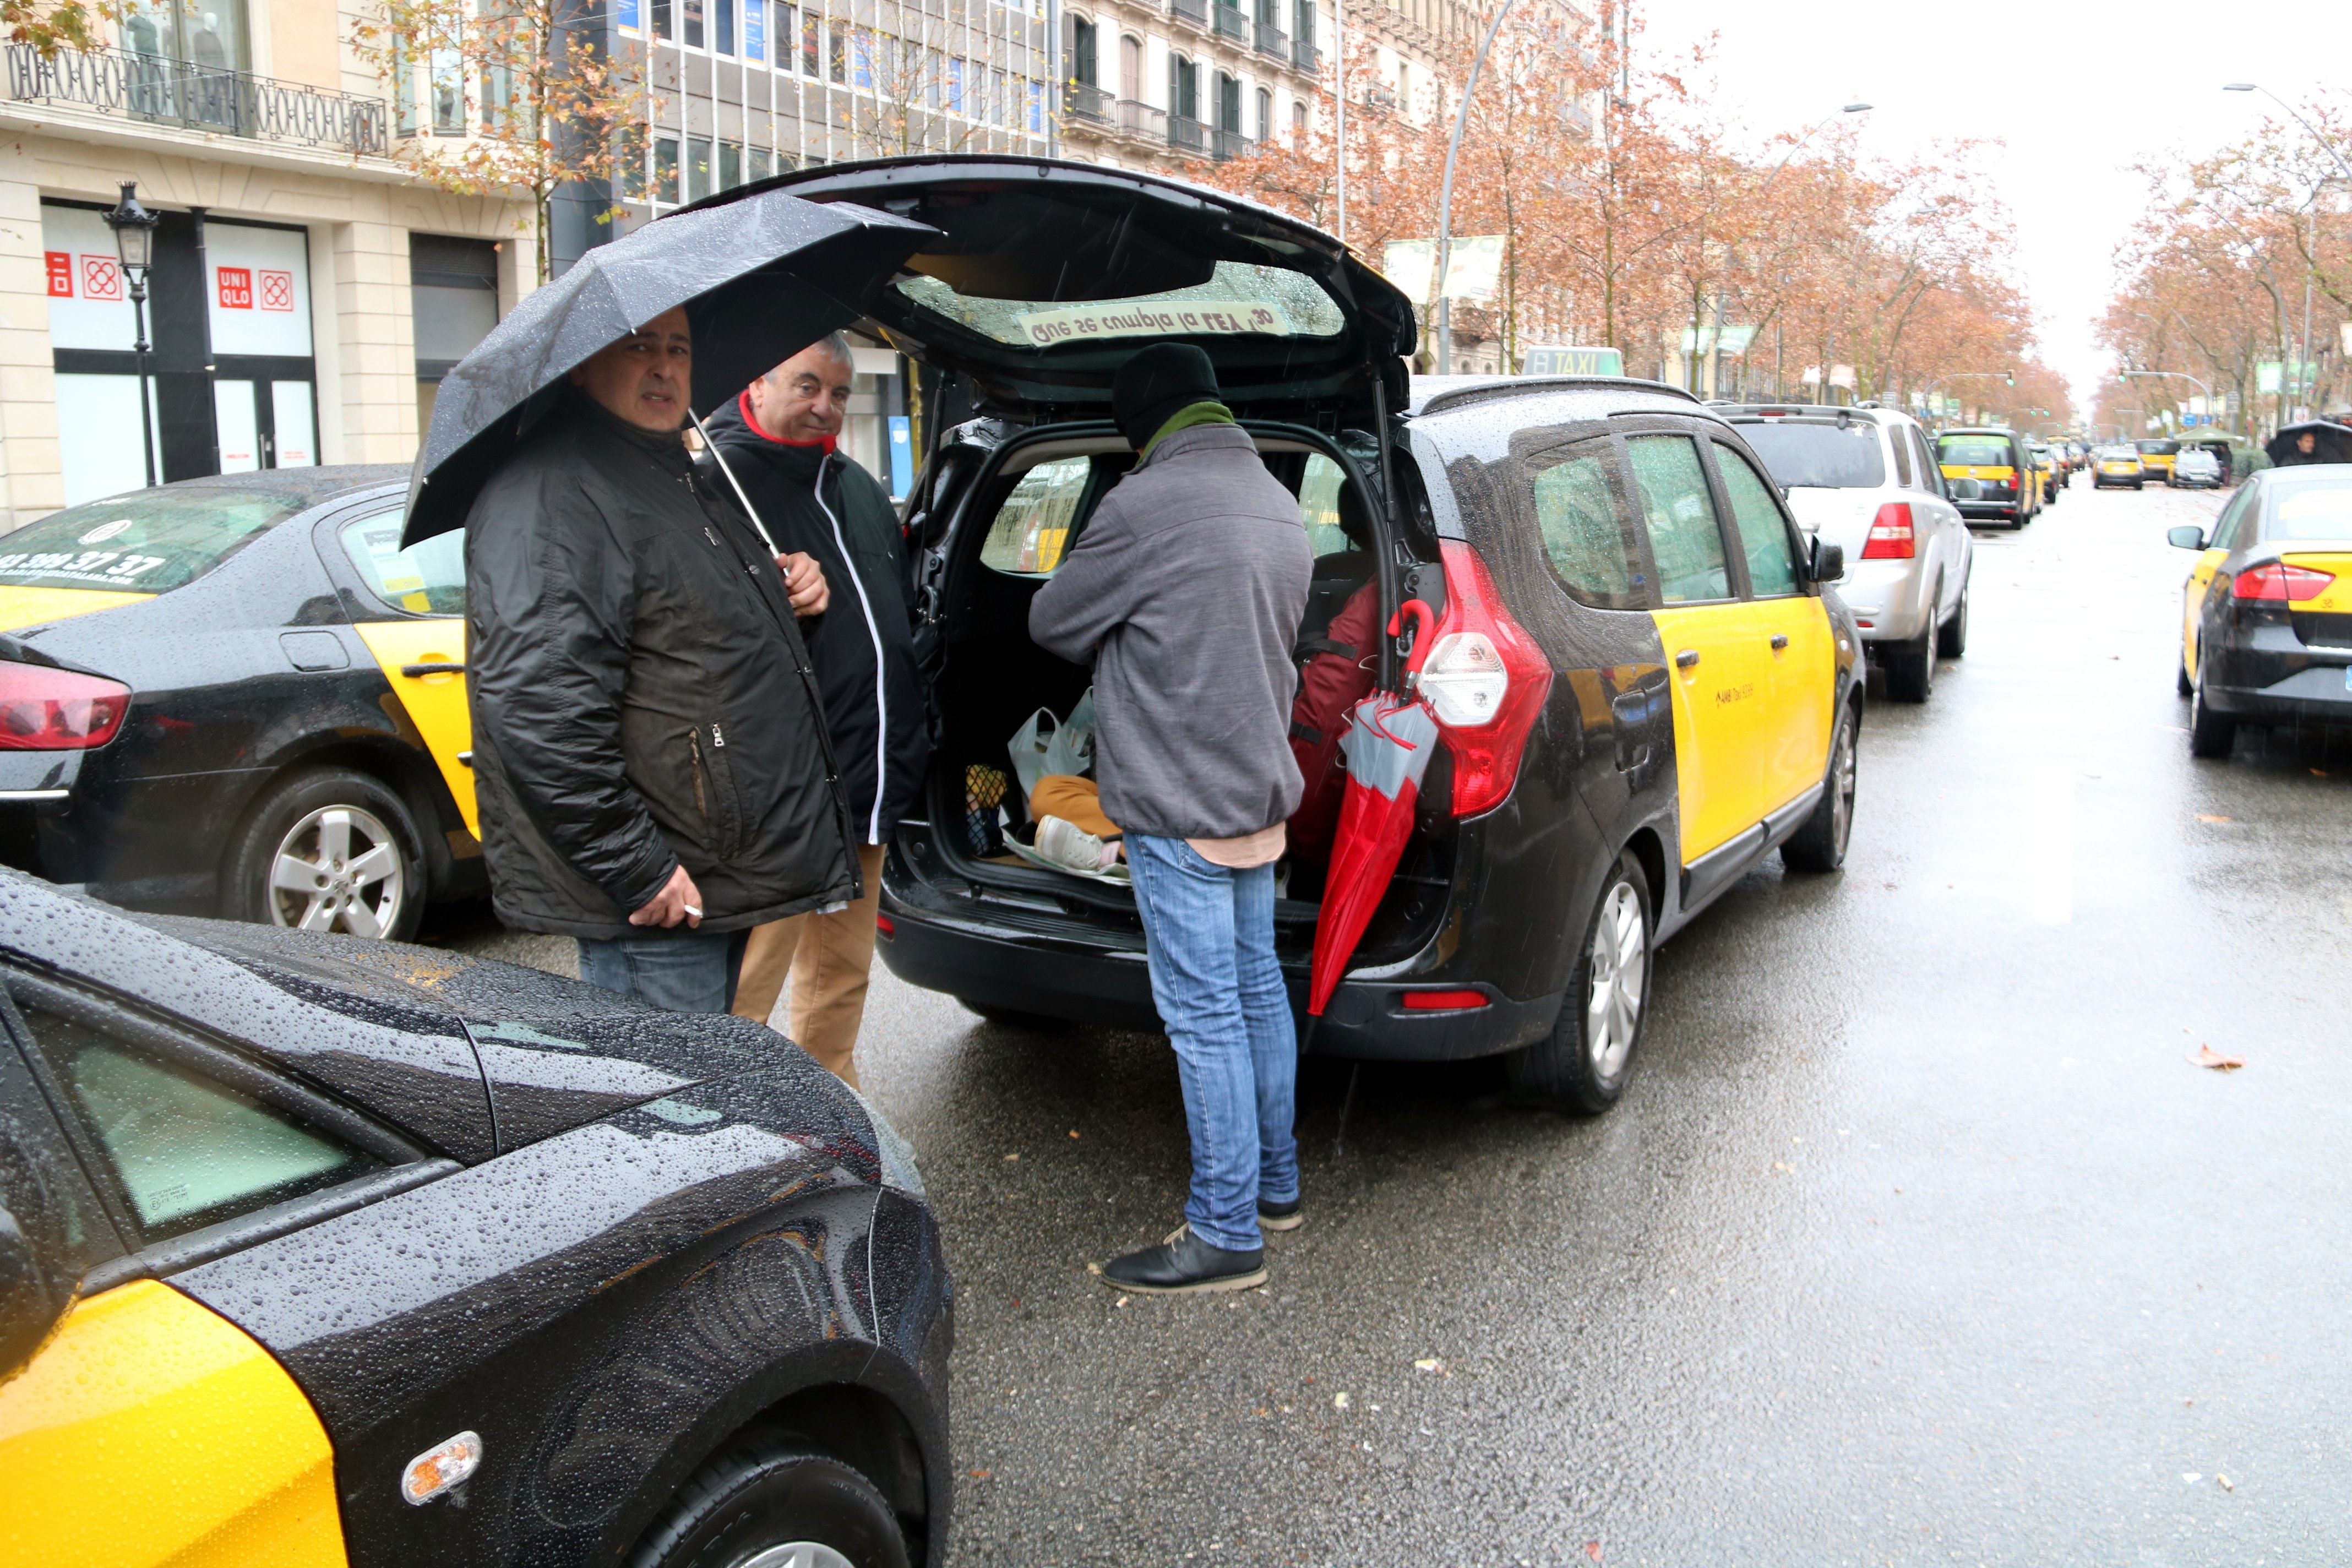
2192 610
425 662
1786 631
148 1430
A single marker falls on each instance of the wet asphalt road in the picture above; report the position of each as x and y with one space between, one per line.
1916 1239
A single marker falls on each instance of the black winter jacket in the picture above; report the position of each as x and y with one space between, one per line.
863 645
641 697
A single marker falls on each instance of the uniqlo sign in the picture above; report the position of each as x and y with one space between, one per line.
236 287
59 264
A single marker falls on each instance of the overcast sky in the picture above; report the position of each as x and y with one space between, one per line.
2078 92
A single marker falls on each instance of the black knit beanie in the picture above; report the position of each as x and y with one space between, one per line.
1156 385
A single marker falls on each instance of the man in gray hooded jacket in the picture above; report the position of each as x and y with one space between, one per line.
1185 593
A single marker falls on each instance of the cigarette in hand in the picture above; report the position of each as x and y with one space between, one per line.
693 911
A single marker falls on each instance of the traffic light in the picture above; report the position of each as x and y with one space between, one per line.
2013 378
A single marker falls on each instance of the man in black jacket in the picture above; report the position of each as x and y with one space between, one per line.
777 442
648 747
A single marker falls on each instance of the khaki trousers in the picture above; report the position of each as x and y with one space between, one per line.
827 959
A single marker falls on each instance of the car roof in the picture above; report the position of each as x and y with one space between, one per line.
306 487
1578 397
1875 414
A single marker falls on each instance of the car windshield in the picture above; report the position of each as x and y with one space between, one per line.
2118 455
1241 299
2309 511
143 543
1973 452
2158 449
1815 453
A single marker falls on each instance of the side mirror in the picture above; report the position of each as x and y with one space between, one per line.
1829 560
1965 489
2188 536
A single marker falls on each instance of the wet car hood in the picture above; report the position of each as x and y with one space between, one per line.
1031 247
555 1053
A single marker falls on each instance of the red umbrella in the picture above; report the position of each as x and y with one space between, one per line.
1390 739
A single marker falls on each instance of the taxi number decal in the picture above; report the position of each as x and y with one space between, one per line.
1731 694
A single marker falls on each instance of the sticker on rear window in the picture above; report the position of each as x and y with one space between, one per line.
1075 324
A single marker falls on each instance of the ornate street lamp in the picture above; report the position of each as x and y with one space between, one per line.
134 246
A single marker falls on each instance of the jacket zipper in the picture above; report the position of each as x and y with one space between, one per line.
881 662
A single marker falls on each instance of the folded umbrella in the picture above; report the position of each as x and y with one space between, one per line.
1390 739
759 279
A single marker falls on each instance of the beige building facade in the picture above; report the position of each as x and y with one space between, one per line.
307 292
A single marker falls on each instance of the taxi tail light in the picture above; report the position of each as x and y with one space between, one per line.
2280 584
45 709
1890 534
1486 680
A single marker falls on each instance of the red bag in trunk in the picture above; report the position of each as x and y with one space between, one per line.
1334 682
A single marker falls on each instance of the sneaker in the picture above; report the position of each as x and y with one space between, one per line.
1281 1216
1067 844
1183 1263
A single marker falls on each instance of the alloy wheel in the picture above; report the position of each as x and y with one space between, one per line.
339 868
1620 959
797 1555
1841 780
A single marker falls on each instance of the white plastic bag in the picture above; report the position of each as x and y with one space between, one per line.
1029 747
1071 751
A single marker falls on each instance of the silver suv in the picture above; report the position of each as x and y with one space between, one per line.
1866 479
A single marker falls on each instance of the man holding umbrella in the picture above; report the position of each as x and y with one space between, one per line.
648 750
1185 593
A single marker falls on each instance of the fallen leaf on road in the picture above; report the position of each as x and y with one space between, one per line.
1012 1156
2207 1057
979 1475
1592 1549
2207 816
1779 1166
1073 1132
1094 1268
1429 1364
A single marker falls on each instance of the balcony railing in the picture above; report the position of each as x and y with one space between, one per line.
1225 145
1193 11
1142 120
1272 40
1306 56
1186 134
160 91
1231 23
1091 104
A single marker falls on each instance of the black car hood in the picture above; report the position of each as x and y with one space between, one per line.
555 1053
1056 233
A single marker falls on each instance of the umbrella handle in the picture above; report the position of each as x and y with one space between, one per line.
1425 619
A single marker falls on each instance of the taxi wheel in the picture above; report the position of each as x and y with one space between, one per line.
328 849
1587 1058
2210 734
769 1501
1819 844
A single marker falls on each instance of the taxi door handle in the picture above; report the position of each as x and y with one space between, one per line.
413 670
1779 641
1686 660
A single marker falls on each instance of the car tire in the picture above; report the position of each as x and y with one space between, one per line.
761 1497
1584 1063
2210 734
345 825
1911 673
1952 636
1819 845
1013 1017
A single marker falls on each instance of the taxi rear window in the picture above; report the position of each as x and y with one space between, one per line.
144 543
1974 452
2310 512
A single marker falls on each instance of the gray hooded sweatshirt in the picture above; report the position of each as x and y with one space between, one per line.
1185 592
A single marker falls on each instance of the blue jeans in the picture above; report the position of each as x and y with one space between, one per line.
678 971
1209 933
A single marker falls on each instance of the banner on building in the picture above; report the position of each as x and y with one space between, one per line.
1473 268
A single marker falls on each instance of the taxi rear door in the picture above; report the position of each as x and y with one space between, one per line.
417 634
1720 657
2193 593
1793 726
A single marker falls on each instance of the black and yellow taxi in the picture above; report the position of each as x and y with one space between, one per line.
2156 456
2117 465
2008 487
239 695
1643 686
317 1250
2266 613
2048 475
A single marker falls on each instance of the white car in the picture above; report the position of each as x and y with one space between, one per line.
1866 479
2197 469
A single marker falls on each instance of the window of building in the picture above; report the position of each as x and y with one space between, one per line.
448 87
722 17
690 14
665 20
1130 68
1082 51
666 169
453 287
1265 115
1298 123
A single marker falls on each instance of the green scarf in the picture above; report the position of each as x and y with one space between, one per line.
1197 414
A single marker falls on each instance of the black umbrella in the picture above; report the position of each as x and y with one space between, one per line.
761 279
2333 446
